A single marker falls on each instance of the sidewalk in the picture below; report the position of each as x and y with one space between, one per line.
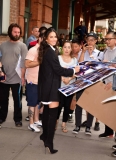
22 144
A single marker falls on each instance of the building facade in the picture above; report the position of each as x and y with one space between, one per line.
27 13
30 13
63 15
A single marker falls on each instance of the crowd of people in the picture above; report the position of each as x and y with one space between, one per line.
42 69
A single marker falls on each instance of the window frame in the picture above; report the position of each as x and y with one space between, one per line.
1 9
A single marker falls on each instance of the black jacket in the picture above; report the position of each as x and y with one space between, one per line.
49 78
80 30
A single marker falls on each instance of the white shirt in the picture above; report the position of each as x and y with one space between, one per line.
97 56
72 63
79 54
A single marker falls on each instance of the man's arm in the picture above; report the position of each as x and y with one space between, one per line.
81 59
23 76
22 64
31 64
31 57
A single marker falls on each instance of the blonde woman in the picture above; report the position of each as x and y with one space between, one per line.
66 60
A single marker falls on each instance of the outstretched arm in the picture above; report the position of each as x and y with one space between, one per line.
54 62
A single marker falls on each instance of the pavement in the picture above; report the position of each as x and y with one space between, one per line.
23 144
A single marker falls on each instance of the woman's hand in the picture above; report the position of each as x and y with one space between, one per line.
2 75
66 80
84 48
108 86
113 65
90 50
77 69
23 81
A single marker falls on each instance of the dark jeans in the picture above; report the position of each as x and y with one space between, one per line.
64 102
4 101
78 113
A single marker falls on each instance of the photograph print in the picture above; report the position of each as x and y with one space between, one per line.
90 73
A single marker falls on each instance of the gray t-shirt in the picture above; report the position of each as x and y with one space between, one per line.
10 53
109 55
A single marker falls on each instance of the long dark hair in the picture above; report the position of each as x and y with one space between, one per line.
42 31
44 45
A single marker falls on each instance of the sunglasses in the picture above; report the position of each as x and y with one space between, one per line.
108 39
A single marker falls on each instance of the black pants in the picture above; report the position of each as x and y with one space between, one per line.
78 113
4 101
64 102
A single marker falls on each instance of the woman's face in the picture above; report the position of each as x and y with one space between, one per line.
52 39
66 48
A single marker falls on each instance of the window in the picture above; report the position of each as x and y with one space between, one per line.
4 16
27 3
26 16
1 16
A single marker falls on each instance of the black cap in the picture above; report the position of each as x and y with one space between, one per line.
91 34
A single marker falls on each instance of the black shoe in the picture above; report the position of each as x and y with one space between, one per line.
114 147
88 131
1 121
27 118
70 118
104 135
84 124
76 130
114 154
18 124
50 149
97 127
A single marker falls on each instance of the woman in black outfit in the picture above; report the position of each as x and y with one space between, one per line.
49 80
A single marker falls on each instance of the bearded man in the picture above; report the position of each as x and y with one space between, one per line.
12 57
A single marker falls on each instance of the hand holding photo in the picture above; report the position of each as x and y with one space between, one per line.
89 74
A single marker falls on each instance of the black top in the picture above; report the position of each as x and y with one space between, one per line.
49 78
80 30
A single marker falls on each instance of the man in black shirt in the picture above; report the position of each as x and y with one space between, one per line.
81 31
